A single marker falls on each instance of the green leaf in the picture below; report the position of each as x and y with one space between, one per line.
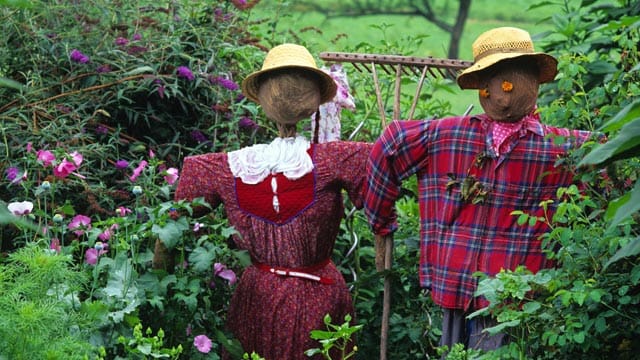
631 249
139 70
171 232
624 116
624 145
201 259
622 208
4 82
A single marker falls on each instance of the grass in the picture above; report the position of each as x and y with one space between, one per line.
416 35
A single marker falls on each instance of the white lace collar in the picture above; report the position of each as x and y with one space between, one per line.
284 155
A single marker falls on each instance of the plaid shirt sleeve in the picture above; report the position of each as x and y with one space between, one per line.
399 153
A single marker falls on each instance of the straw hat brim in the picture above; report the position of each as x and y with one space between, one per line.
547 65
251 84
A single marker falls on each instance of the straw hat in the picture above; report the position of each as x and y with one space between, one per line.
289 56
500 44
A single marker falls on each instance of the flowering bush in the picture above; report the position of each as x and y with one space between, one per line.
102 103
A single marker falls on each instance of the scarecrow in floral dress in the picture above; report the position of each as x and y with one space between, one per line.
473 172
285 201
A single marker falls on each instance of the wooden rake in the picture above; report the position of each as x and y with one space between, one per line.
401 66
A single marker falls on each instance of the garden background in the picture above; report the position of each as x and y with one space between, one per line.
101 100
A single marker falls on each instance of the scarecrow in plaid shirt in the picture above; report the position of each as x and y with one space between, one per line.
472 172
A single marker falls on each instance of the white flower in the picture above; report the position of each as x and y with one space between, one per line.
20 208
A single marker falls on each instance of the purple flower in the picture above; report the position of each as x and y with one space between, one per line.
105 68
135 49
79 57
122 164
225 83
12 173
246 123
185 72
221 270
202 343
102 130
198 136
137 37
120 41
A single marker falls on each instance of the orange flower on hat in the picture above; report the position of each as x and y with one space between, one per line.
507 86
484 93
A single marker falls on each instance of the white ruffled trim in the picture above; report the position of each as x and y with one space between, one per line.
284 155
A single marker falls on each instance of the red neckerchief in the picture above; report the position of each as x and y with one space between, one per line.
503 133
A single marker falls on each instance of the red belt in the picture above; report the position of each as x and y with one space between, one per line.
302 272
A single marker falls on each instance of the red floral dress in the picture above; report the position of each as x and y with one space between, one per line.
289 227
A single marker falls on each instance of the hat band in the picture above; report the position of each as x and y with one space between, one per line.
503 51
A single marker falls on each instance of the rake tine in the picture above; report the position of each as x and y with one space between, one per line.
417 95
378 95
396 95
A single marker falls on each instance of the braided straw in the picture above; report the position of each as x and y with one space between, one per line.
289 56
500 44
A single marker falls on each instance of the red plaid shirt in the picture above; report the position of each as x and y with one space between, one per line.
466 196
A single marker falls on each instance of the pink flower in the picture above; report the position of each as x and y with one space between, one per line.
92 254
67 167
79 223
20 208
63 169
77 158
202 343
138 170
55 245
221 270
46 157
123 211
172 176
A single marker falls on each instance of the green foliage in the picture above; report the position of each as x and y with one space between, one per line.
40 312
335 339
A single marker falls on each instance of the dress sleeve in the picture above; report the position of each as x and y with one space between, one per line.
351 167
400 152
198 178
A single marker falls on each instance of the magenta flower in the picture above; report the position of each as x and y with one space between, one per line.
79 224
79 57
104 68
67 167
120 41
92 254
225 83
221 271
45 157
246 123
20 208
63 169
123 211
55 245
122 164
172 176
12 174
185 72
137 37
202 343
138 170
